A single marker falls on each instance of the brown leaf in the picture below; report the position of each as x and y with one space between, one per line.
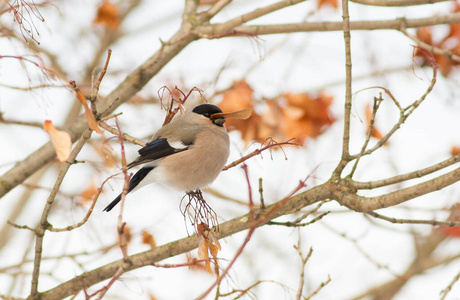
332 3
108 15
424 35
291 116
451 42
152 297
240 97
454 216
207 244
88 194
375 132
194 264
127 233
207 2
148 239
455 150
88 114
306 115
60 140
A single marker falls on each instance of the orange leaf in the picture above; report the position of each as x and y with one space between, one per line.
89 193
88 114
194 264
207 243
148 239
332 3
207 2
239 97
306 115
424 35
60 140
108 15
454 216
455 150
375 132
152 297
127 233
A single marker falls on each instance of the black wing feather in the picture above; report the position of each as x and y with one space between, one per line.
154 150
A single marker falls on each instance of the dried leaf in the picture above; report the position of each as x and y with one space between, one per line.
108 15
332 3
207 244
127 233
194 264
60 140
451 42
455 150
306 115
291 116
240 97
454 216
152 297
148 239
375 132
207 2
424 35
88 114
88 194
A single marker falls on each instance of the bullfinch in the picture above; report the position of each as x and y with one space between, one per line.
187 154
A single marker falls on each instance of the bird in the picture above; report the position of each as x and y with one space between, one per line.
186 154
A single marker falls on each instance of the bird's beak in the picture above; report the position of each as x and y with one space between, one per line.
241 114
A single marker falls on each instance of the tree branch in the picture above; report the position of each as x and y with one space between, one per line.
368 204
184 245
399 3
408 176
249 30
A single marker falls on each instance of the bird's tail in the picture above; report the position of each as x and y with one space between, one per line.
134 182
113 203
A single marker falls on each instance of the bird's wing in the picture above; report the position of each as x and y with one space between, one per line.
159 148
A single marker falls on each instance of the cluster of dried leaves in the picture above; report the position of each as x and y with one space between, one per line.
288 116
108 15
450 42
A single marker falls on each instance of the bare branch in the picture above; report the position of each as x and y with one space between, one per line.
399 3
448 288
345 157
408 176
250 30
408 221
184 245
368 204
43 226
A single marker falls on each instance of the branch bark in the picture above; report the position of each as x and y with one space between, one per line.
367 204
184 245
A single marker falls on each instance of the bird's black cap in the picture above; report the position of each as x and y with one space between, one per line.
207 110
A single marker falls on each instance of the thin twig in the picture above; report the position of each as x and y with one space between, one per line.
124 136
44 225
411 221
270 144
448 288
408 176
303 261
377 102
397 3
245 242
316 291
88 214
